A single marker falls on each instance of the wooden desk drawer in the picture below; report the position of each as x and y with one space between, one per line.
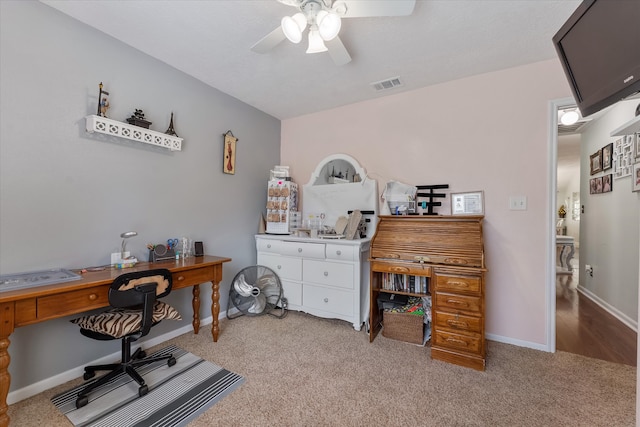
182 279
457 303
72 302
470 344
458 322
463 284
416 269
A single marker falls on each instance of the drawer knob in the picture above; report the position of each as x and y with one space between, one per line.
299 249
180 278
269 246
326 274
93 297
338 252
279 267
326 300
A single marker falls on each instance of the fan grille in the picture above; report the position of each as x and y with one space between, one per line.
255 291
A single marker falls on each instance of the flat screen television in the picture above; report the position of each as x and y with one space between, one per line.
599 48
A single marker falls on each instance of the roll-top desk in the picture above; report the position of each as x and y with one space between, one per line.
448 250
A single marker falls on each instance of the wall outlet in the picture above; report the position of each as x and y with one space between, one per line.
116 257
588 269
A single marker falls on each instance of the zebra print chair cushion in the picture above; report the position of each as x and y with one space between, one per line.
118 322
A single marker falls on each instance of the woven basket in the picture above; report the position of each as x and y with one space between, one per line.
405 327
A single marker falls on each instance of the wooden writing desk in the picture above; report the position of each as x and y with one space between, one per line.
34 305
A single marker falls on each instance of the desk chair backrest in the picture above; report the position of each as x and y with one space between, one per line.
140 290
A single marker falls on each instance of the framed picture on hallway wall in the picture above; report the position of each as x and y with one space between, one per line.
607 183
596 162
635 182
607 156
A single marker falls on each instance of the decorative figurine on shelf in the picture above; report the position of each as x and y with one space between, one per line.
562 212
137 119
170 130
103 102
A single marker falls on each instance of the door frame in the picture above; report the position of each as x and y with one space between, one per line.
550 292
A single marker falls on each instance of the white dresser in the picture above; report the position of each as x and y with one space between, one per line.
326 278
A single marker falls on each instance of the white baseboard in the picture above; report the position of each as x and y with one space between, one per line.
633 324
517 342
71 374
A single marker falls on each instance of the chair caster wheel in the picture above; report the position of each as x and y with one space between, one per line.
88 375
142 354
171 361
81 401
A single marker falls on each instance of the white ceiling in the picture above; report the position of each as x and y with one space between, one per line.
442 40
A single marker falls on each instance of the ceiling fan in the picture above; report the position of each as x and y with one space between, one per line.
324 18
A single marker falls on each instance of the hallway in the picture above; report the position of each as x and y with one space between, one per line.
583 327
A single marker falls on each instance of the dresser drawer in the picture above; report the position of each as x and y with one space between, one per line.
462 284
457 322
341 252
327 299
470 344
292 291
415 269
268 245
455 303
284 267
302 249
328 273
72 302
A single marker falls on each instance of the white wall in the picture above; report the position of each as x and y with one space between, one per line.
609 224
487 132
65 195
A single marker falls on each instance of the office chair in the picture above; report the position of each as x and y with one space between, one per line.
134 310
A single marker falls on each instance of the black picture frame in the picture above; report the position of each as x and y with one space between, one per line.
607 156
596 162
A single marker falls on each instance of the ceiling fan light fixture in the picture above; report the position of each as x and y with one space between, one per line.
316 44
329 24
292 27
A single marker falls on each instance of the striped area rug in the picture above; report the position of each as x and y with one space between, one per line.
177 394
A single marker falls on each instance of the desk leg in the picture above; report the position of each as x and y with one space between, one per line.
7 325
196 308
215 308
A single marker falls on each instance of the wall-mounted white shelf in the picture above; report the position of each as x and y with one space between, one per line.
629 128
134 133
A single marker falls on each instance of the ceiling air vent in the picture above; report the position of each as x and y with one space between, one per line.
387 84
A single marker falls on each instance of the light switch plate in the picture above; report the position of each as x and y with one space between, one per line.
518 203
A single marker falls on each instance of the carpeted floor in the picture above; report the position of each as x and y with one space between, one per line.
304 370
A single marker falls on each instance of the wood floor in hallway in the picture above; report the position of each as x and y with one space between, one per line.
583 327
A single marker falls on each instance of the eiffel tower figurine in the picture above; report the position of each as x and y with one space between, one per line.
170 130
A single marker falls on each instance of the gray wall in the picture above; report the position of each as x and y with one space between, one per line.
67 195
609 225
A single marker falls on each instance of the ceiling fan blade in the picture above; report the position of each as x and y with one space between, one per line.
269 41
337 51
362 9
